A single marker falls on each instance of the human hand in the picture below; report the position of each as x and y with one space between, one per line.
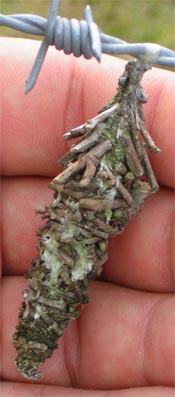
124 336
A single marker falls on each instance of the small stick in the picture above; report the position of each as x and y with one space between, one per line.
131 156
81 147
99 205
149 170
124 192
98 152
91 168
90 125
149 141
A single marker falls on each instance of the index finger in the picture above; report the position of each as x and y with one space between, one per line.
68 92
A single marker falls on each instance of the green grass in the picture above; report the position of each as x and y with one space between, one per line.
131 20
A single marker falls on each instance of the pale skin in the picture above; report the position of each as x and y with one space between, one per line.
123 343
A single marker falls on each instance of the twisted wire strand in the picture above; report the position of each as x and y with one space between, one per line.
81 38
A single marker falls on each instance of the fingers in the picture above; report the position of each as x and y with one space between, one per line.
29 390
160 120
124 338
20 197
68 92
142 257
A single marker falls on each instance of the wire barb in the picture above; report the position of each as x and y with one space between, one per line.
81 38
48 40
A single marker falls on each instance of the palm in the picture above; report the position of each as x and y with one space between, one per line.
123 338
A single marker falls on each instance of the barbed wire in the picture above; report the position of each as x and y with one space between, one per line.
81 38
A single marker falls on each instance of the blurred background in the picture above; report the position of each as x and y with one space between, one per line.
130 20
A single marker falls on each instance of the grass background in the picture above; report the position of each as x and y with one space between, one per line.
131 20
